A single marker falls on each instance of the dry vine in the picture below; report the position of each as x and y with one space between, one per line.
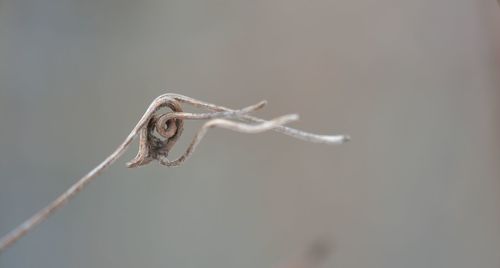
158 134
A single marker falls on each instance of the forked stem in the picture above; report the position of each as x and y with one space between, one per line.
169 125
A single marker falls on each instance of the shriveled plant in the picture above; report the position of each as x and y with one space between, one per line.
159 131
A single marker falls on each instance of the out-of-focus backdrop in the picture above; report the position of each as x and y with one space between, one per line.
415 83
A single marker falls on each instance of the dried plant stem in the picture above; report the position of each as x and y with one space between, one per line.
169 126
41 215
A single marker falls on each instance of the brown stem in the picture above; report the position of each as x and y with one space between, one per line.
152 148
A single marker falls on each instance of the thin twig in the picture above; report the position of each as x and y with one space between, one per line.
169 127
234 126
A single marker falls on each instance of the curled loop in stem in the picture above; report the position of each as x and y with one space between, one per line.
151 147
158 133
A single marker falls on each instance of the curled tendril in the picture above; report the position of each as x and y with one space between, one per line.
162 131
158 133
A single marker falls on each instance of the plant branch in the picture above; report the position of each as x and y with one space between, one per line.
158 134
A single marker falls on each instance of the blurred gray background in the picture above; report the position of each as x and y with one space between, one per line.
415 83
